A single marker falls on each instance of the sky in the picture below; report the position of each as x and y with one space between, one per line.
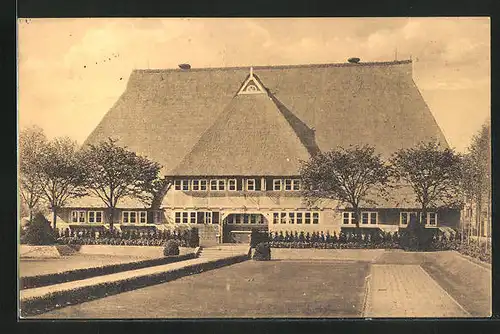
72 71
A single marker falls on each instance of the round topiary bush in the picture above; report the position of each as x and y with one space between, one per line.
39 232
171 247
262 252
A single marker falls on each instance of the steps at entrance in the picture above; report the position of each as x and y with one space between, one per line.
219 251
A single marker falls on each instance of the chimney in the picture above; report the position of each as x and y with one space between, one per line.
353 60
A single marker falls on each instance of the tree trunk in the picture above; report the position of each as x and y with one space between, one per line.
111 216
357 217
31 215
54 217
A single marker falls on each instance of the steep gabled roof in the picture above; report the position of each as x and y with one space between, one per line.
163 113
251 137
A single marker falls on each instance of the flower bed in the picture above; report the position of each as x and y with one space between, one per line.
127 237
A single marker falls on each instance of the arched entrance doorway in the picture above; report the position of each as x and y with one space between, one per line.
236 227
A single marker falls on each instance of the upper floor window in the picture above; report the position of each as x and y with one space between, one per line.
431 219
251 184
231 184
133 217
277 184
181 185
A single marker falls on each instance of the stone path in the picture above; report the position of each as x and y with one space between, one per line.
407 291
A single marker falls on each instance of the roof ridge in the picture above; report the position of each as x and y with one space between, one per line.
278 67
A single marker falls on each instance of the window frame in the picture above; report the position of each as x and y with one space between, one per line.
428 220
280 183
296 182
315 218
95 213
247 184
351 219
145 217
231 183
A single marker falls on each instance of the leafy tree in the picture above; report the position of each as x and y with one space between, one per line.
432 171
113 172
476 173
153 191
32 142
346 175
60 173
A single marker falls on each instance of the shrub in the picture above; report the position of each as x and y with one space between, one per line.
193 237
262 252
39 232
257 237
171 247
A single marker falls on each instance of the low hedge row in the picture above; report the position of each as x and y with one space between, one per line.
46 303
79 274
338 245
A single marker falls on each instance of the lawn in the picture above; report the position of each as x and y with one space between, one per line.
248 289
40 266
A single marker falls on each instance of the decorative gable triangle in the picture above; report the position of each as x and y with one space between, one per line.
251 85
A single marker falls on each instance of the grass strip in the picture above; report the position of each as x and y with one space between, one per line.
37 281
51 301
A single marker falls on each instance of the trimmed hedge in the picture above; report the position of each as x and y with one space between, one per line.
262 252
79 274
171 247
38 305
95 235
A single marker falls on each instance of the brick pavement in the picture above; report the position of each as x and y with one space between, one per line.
407 291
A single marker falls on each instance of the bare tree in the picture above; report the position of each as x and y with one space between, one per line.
32 143
113 172
61 174
433 172
345 175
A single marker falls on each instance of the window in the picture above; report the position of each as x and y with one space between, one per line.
125 217
283 218
133 217
78 216
431 219
143 217
250 184
178 216
276 217
307 218
369 218
95 216
277 185
296 184
208 217
177 185
245 219
231 184
299 217
192 217
315 217
237 219
213 185
195 185
291 217
253 219
185 185
405 217
222 185
203 185
348 218
288 184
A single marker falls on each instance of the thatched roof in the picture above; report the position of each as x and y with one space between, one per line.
163 114
93 201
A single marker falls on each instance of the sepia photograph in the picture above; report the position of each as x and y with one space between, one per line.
198 168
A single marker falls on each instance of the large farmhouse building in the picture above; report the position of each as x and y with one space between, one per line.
232 140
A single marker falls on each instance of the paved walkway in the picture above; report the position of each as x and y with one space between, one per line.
407 291
208 257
